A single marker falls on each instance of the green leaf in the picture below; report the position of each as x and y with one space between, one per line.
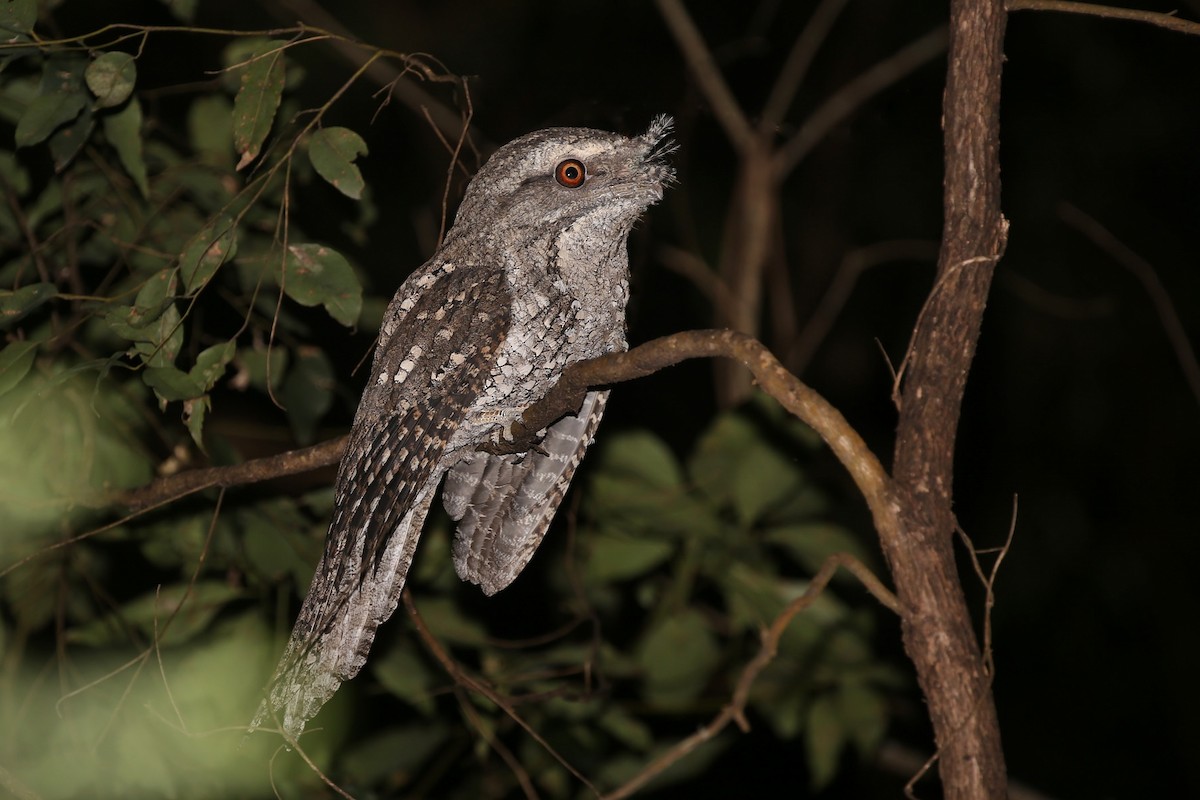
16 305
447 622
314 274
384 758
124 131
402 672
111 78
15 173
49 478
614 557
308 391
734 464
18 16
332 152
824 740
811 543
257 367
211 363
15 360
164 339
194 412
46 113
257 101
210 129
644 456
66 142
276 542
638 488
864 715
150 614
677 658
626 729
171 384
203 255
153 298
182 9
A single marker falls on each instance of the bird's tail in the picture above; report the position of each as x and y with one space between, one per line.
337 624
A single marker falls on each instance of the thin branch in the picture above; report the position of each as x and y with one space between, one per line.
463 678
445 119
795 68
566 396
1168 21
1177 335
703 277
493 740
786 388
853 264
708 75
15 787
174 487
735 710
854 94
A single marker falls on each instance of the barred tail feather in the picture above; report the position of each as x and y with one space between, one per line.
337 624
505 503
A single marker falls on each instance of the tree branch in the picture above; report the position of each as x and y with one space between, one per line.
566 397
708 75
775 380
854 94
734 710
174 487
1168 21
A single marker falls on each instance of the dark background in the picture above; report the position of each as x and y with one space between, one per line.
1077 406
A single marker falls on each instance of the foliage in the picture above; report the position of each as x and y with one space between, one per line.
151 271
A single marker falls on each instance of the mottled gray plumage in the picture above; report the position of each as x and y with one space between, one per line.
533 276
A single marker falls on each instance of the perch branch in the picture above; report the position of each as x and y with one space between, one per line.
786 388
174 487
566 397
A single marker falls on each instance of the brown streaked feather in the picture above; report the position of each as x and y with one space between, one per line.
382 497
505 503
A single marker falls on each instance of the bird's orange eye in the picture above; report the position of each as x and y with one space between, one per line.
570 173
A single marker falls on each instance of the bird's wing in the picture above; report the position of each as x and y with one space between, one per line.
504 503
434 358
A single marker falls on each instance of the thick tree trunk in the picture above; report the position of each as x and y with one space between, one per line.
938 633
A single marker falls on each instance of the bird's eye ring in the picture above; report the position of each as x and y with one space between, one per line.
571 173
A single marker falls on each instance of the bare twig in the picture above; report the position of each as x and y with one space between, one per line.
708 75
854 94
838 292
493 740
446 120
1168 21
795 68
702 276
11 784
465 679
1141 269
734 711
